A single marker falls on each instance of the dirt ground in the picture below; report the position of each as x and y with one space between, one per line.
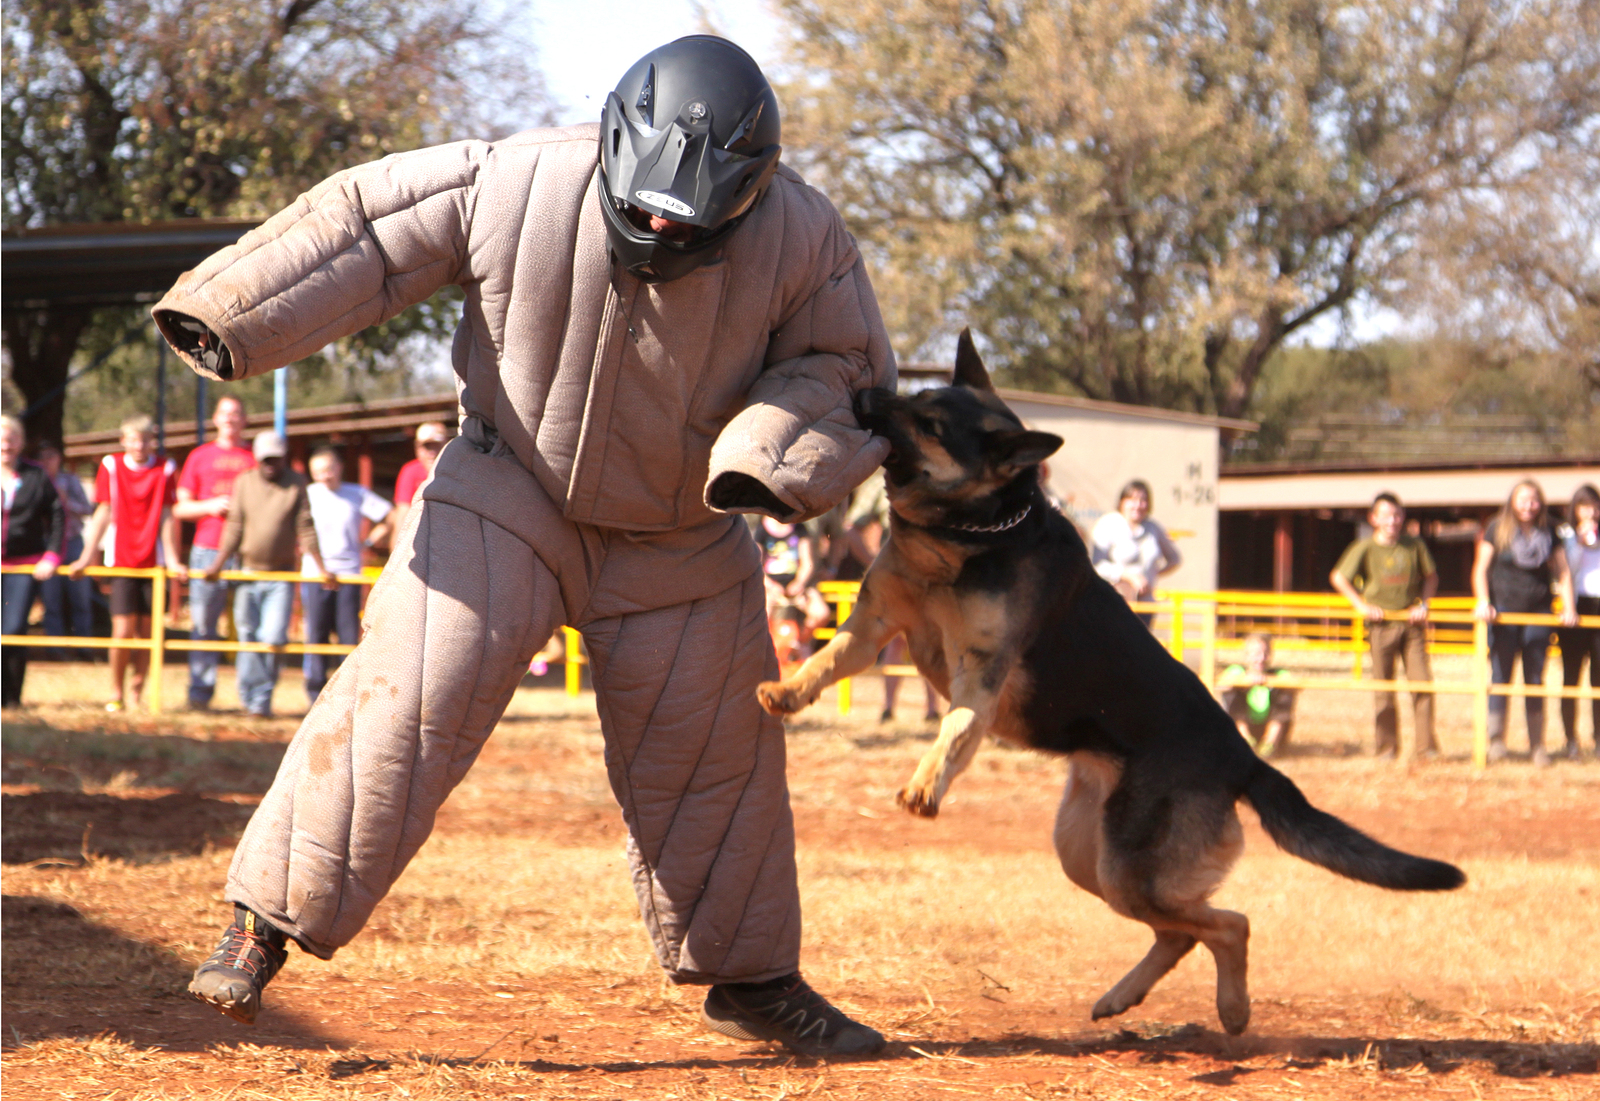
98 809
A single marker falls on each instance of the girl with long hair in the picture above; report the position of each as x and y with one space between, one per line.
1520 565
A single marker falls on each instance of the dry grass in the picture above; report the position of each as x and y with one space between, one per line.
509 960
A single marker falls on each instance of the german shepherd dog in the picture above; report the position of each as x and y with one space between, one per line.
1003 613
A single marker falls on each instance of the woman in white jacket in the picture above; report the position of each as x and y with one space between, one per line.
1130 550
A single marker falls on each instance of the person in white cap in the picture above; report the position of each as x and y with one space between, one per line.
431 438
268 515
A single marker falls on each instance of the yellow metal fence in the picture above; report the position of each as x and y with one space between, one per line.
1194 626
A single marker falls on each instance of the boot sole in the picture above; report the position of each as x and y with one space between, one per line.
754 1033
243 1014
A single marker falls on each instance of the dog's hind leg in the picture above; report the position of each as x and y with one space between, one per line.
1162 872
1077 839
1170 947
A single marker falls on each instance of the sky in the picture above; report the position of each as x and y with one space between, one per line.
586 45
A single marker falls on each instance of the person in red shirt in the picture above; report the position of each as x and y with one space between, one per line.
205 489
135 492
431 438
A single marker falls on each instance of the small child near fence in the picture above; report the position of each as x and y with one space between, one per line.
1264 712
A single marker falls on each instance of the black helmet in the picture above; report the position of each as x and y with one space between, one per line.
691 133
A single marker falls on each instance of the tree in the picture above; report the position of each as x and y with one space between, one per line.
1517 270
1142 201
120 110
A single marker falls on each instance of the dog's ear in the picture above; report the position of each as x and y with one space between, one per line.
969 366
1011 451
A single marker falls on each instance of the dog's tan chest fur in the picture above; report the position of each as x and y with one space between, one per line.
971 637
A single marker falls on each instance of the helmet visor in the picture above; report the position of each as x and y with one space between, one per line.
679 236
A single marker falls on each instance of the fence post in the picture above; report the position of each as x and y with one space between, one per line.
845 605
1358 632
1177 626
1208 647
574 667
158 636
1480 697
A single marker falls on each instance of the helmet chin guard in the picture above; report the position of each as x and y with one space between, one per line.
690 134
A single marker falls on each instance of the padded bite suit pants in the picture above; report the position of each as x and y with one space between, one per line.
696 765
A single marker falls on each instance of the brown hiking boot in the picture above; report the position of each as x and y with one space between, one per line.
789 1012
233 976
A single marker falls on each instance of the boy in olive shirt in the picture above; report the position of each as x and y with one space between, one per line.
1396 578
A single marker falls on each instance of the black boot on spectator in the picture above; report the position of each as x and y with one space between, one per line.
233 976
789 1012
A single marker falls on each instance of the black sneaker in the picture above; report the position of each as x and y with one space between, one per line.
789 1011
233 976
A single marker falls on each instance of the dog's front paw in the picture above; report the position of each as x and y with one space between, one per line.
918 800
780 697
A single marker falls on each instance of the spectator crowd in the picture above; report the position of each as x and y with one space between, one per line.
252 512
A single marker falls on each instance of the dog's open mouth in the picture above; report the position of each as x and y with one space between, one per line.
874 408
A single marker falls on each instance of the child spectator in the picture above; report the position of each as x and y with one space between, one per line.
1581 542
1519 566
205 490
269 513
788 568
134 494
337 509
1263 713
1389 577
32 536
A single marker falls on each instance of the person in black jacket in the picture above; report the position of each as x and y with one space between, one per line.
35 524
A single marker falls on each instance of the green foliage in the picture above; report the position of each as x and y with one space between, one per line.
147 110
1142 201
1439 400
152 109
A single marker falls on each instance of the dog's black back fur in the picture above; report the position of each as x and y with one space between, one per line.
1004 613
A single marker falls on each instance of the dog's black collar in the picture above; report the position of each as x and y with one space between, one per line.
991 529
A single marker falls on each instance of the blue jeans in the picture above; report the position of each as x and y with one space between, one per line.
1506 644
68 604
325 613
261 614
206 601
16 601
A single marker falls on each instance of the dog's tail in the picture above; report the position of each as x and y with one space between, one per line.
1302 830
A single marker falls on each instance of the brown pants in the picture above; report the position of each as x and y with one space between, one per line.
450 628
1409 642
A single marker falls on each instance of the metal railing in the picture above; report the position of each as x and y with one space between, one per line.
1304 622
158 642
